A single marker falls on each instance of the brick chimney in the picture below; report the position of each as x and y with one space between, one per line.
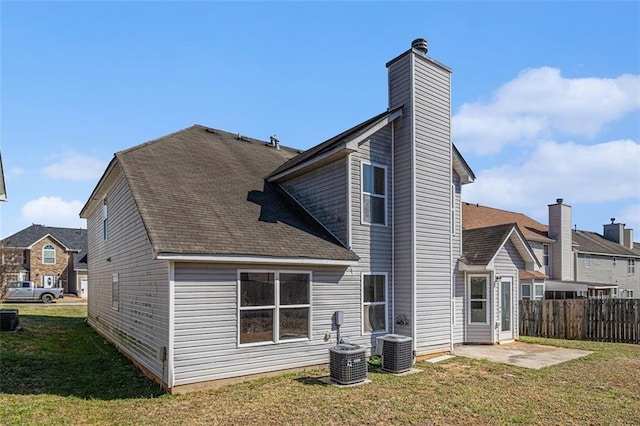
560 230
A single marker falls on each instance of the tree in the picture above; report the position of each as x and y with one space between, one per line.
10 264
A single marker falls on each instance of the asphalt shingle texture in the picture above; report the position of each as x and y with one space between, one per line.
481 244
203 191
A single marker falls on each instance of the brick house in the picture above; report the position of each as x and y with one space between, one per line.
50 257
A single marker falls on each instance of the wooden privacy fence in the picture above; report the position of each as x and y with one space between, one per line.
604 320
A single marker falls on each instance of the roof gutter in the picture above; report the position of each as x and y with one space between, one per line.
255 260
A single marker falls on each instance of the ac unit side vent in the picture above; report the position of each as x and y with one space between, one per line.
397 353
348 364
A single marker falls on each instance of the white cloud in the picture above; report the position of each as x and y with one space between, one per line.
53 211
16 171
540 102
77 167
601 173
631 217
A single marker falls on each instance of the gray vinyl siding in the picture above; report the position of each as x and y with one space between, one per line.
400 87
458 276
538 251
507 264
140 325
432 204
323 192
372 242
206 322
603 271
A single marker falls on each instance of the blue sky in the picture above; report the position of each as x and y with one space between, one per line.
546 95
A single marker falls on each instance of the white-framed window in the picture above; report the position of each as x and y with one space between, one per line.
587 261
614 262
614 292
453 209
105 223
478 299
630 294
539 291
526 291
115 292
273 306
374 303
48 254
545 254
374 194
631 266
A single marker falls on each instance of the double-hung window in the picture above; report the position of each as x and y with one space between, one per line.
374 194
587 261
274 306
105 223
539 290
478 298
526 292
545 254
49 254
631 266
374 303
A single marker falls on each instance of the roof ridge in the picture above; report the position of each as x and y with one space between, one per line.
152 141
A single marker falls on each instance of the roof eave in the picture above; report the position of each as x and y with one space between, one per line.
253 260
95 195
347 146
461 167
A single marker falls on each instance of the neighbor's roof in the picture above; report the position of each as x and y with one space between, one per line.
594 243
3 189
203 191
477 216
73 239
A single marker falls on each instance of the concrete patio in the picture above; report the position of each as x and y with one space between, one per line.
521 354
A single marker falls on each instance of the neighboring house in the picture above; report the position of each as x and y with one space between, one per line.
50 256
217 256
577 263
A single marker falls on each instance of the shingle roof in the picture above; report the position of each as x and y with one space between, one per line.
477 216
202 191
592 242
330 143
73 239
480 245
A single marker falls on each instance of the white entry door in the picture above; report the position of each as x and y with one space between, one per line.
49 281
506 309
84 289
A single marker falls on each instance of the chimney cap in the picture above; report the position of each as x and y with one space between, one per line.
559 200
421 45
613 220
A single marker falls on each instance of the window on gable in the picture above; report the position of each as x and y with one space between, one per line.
631 266
274 306
374 198
48 254
105 223
545 254
478 297
374 303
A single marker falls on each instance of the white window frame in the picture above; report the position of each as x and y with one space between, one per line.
614 262
545 256
631 266
276 306
486 300
363 193
49 247
522 296
630 294
105 223
535 292
587 261
364 305
115 292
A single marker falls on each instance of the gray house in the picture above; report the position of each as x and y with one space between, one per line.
573 263
215 256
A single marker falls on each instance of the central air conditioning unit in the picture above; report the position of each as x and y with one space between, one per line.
397 353
347 364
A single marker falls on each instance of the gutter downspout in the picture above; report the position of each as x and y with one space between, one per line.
393 233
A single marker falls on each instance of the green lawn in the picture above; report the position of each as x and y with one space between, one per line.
58 371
